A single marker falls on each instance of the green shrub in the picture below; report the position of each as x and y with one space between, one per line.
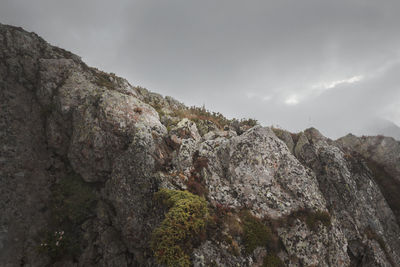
158 107
272 260
102 79
314 218
195 114
311 218
184 224
249 122
278 132
204 119
255 233
195 183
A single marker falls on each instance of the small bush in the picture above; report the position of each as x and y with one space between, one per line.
103 80
222 210
138 110
255 233
217 219
196 187
249 122
235 228
195 183
311 218
184 224
272 260
196 113
314 218
278 132
199 162
204 119
158 107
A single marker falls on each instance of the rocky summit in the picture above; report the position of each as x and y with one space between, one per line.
97 172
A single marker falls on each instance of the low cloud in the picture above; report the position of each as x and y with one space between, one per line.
333 65
333 84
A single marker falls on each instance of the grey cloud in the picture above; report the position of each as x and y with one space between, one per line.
219 52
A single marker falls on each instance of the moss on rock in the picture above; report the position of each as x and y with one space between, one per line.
310 217
272 260
316 217
255 233
183 226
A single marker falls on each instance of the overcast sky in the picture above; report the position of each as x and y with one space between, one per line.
334 65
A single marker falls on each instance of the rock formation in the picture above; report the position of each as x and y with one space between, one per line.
97 172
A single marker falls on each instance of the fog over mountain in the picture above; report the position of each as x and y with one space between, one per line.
382 127
332 65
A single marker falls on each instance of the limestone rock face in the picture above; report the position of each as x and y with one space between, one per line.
354 197
257 170
83 152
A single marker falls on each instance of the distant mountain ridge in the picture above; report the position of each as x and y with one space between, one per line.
383 127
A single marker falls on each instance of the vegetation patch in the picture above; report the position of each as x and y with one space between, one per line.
272 260
72 203
102 79
199 115
243 233
196 183
196 113
255 233
195 186
182 229
311 218
317 217
218 219
248 122
278 132
158 107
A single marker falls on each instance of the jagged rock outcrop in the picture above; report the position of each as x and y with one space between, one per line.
382 156
353 195
385 151
84 152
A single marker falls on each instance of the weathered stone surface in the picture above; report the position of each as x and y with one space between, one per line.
353 197
256 170
383 150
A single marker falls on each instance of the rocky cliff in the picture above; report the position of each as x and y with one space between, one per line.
96 172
